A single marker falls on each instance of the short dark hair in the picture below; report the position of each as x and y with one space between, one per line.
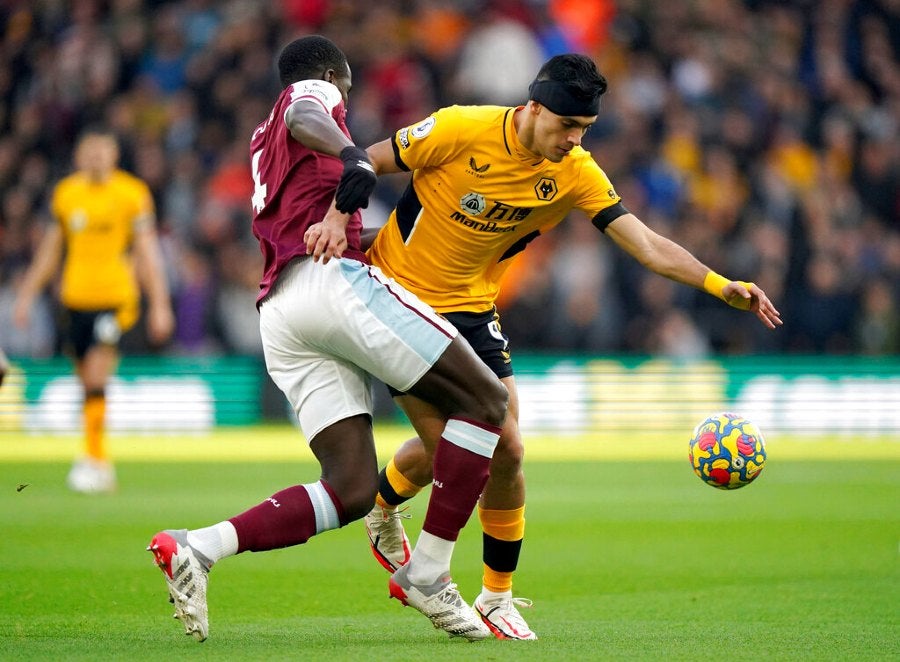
91 130
96 129
578 72
309 57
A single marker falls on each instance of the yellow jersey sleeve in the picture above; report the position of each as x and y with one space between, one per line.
432 141
595 194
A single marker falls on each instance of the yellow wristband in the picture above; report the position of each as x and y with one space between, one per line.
714 284
738 301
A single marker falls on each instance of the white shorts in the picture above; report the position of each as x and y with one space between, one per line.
326 327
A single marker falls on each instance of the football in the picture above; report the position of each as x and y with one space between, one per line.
727 451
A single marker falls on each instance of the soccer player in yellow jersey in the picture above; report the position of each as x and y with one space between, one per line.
485 182
105 229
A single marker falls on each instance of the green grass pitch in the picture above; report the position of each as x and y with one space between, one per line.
625 557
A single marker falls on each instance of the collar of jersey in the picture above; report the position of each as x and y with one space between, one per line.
517 150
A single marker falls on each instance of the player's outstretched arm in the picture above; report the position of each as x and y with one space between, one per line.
381 154
665 257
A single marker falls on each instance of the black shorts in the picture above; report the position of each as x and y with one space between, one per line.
86 328
483 332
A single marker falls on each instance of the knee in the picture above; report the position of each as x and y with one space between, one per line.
508 456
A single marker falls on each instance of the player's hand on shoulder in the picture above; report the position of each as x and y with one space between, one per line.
749 296
326 239
357 181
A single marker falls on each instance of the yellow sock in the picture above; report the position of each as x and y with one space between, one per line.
504 531
94 426
394 487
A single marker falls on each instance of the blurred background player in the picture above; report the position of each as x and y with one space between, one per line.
105 235
487 180
328 320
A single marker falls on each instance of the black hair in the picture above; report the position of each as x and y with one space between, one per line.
309 57
577 72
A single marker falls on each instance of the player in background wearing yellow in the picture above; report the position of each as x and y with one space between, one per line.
105 235
486 181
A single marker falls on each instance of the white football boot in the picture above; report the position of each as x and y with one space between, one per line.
387 538
187 576
91 476
441 603
502 617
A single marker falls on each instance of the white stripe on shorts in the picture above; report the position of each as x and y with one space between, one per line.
326 327
405 320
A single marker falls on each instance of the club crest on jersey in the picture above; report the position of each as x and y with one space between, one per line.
472 203
423 128
78 220
546 189
475 169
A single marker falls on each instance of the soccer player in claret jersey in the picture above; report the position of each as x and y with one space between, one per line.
329 320
105 235
486 181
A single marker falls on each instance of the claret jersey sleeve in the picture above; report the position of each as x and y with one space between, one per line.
321 91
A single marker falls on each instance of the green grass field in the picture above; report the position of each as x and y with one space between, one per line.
627 556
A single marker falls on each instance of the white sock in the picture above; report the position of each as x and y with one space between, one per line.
215 542
488 595
430 560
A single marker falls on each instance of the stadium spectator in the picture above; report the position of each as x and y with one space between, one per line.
686 80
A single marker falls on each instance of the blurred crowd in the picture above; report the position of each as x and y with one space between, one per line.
761 135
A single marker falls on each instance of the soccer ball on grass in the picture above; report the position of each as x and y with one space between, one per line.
727 451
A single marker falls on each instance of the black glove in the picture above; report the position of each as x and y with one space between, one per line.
357 180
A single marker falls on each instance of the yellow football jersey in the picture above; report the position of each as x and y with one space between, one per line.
98 222
476 199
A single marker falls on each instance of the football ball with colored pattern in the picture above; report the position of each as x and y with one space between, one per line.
727 451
